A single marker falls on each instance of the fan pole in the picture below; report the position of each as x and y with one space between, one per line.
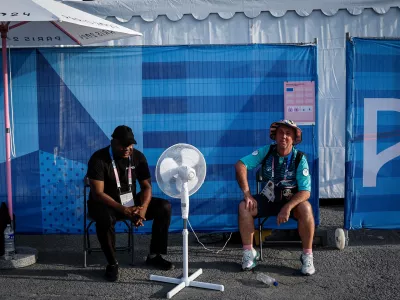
186 280
185 235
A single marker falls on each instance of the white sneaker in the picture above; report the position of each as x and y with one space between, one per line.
307 267
249 260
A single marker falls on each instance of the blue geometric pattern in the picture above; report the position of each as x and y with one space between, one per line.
26 191
373 75
65 127
220 99
23 96
61 190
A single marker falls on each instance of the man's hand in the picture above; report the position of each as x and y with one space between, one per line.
131 211
251 203
140 217
283 215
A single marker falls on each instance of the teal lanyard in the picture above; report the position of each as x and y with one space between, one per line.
287 164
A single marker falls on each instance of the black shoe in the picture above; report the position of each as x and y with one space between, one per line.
159 263
111 272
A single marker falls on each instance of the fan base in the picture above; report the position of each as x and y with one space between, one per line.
189 281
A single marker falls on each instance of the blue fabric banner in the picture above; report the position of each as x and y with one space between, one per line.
221 99
373 134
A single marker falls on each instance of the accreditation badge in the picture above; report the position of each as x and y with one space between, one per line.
127 199
268 191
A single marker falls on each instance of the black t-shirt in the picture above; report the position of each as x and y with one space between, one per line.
100 168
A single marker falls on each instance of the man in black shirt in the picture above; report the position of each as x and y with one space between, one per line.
112 173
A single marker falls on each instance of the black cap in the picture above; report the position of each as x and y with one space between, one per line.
124 135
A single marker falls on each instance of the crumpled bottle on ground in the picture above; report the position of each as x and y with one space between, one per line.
266 279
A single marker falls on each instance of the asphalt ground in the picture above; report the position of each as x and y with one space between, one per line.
368 268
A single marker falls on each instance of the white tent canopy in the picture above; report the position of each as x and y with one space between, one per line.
269 21
200 9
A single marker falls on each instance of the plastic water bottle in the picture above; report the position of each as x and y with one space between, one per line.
9 247
266 279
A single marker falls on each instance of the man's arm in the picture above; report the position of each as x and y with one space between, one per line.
250 162
297 198
145 198
97 190
96 175
145 193
241 178
144 179
303 179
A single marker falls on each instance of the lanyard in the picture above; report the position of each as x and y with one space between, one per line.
287 164
116 172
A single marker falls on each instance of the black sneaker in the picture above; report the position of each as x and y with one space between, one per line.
111 272
159 263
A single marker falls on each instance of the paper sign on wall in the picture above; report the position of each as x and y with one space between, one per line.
299 102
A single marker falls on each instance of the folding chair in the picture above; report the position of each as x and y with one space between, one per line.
86 237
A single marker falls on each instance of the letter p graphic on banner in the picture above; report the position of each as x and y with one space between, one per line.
373 161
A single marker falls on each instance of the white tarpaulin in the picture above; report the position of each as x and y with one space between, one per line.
283 21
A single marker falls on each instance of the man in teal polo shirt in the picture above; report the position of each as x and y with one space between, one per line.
286 193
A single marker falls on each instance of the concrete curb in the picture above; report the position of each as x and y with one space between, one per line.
24 257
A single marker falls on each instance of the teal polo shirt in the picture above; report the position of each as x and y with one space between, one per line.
300 177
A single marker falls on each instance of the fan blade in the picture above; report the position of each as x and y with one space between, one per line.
168 169
190 157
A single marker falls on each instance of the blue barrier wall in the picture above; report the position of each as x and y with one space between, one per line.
220 99
373 134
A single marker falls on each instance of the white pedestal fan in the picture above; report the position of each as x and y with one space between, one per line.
180 172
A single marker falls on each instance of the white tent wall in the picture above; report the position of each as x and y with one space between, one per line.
238 28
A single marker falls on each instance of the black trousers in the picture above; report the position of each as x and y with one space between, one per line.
159 210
